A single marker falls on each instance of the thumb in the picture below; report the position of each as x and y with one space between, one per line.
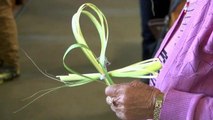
113 90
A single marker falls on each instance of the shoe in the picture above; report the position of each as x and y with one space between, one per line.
8 73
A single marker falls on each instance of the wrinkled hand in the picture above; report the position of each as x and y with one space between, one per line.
132 101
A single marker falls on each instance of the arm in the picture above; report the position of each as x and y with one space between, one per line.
135 100
197 104
186 106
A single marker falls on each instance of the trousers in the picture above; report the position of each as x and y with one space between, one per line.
8 35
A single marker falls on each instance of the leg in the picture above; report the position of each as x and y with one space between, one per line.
8 38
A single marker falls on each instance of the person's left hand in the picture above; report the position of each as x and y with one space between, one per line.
132 101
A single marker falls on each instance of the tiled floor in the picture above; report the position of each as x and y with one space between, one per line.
45 33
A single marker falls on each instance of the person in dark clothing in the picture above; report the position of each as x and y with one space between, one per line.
151 9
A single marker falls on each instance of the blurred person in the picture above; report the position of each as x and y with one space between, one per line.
151 9
184 88
9 58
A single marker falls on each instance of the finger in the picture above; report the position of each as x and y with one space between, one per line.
112 101
113 108
109 100
114 90
120 115
116 108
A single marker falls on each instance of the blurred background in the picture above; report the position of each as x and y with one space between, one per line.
44 32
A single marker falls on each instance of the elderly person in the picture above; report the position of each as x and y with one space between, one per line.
184 88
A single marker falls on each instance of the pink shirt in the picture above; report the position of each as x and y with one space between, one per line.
187 74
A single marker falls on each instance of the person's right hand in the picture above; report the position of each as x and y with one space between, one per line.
132 101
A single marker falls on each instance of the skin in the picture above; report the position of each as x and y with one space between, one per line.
132 101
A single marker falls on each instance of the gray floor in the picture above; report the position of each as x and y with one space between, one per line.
45 33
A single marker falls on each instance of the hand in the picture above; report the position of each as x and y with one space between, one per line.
132 101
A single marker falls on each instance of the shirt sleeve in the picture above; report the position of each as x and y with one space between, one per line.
180 105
